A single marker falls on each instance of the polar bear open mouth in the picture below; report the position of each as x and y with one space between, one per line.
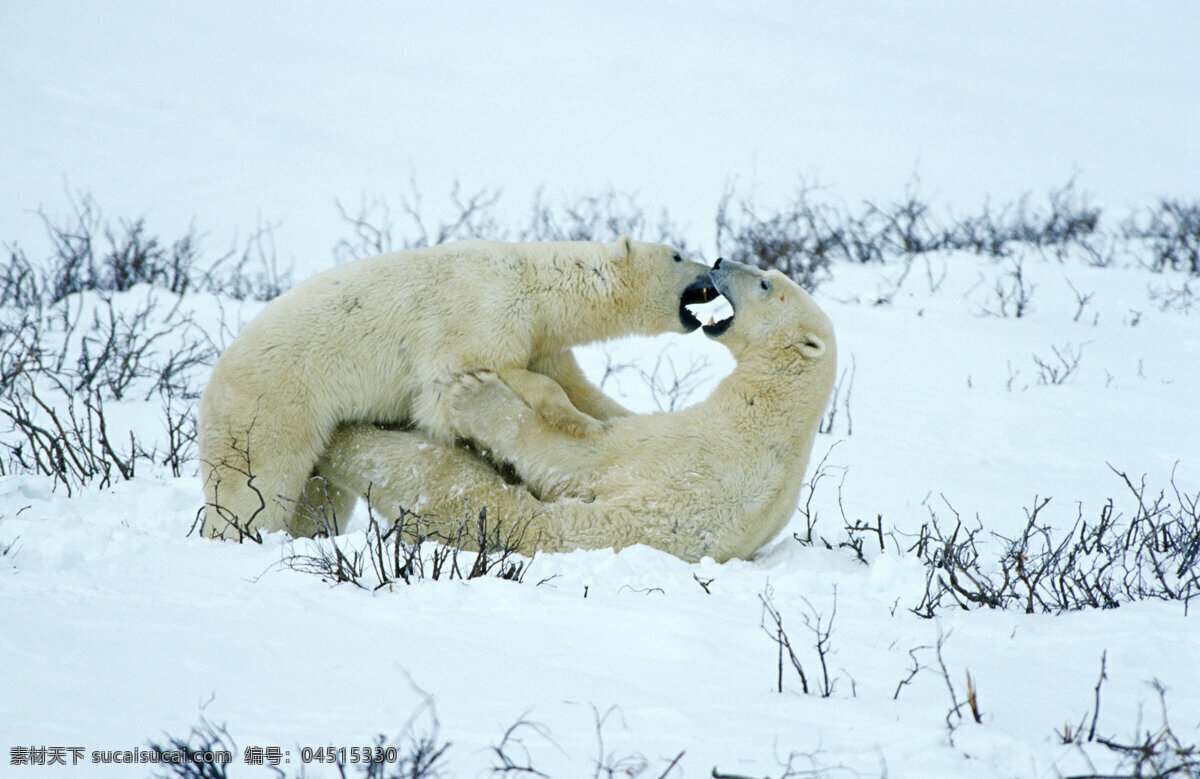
714 309
716 326
722 306
695 302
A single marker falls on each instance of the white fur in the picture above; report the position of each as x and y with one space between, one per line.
718 479
383 340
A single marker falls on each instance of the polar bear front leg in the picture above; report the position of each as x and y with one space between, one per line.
546 397
499 423
585 396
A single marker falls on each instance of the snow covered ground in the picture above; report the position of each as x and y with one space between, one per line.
116 627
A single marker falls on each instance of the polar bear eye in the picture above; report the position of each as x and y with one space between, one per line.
763 283
678 258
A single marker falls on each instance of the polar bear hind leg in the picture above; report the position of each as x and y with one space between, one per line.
405 472
247 494
326 505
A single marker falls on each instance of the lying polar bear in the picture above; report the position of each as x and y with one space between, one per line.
718 479
384 340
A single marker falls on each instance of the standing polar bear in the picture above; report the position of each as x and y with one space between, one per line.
384 339
718 479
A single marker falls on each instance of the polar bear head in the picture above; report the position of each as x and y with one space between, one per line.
652 284
775 324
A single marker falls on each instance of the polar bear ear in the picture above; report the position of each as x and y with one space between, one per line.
811 346
624 247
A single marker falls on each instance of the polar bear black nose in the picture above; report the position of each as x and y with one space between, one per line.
717 264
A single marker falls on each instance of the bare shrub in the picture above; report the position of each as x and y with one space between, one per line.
820 473
180 425
21 283
1099 564
777 634
1013 292
20 345
1149 752
800 240
58 373
372 226
804 237
952 567
857 533
1081 301
68 441
986 233
512 755
8 548
126 346
1068 219
1182 297
844 383
91 253
469 215
249 271
905 226
408 549
1062 367
603 216
822 631
1075 734
1171 228
671 385
70 348
207 751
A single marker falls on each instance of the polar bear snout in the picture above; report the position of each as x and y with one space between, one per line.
720 276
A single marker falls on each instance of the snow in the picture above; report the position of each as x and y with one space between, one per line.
117 627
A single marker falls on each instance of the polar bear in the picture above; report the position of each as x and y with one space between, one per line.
383 340
718 479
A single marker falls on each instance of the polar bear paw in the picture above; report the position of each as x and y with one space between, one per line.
486 406
570 420
482 399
